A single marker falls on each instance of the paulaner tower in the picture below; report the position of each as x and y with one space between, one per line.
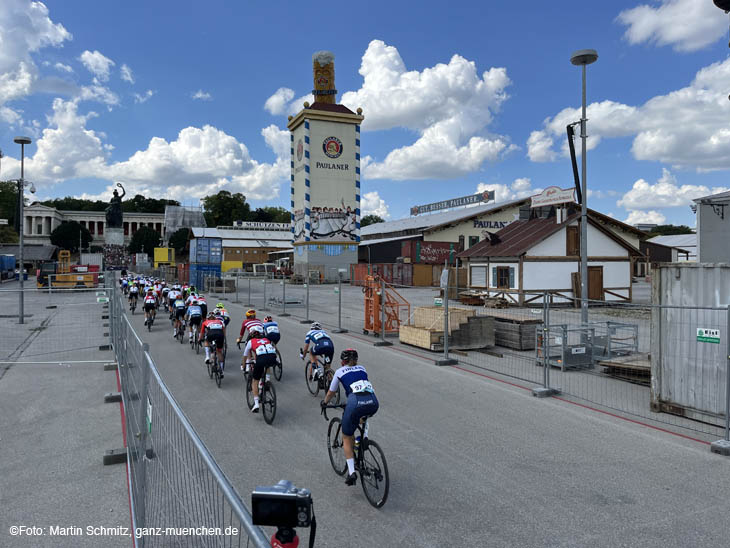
325 178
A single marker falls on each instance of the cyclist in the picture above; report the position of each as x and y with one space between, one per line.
133 294
125 285
150 306
172 296
271 330
361 402
247 324
318 343
178 309
224 313
213 329
260 349
194 316
203 304
165 295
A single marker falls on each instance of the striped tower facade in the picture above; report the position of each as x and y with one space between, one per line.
357 180
308 186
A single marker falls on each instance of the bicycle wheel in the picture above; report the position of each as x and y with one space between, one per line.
334 447
217 373
328 376
374 473
249 392
268 402
277 367
312 383
197 344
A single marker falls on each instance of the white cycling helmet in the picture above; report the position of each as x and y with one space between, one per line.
315 326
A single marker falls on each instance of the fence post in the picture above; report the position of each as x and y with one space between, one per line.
382 341
339 304
545 391
249 291
306 286
723 446
283 297
237 279
264 306
445 286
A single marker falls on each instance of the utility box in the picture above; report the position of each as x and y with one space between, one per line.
164 255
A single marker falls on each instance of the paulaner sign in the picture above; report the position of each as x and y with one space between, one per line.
553 195
485 196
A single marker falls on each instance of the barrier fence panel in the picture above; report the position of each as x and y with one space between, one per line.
175 483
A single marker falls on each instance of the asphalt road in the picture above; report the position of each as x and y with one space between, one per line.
473 461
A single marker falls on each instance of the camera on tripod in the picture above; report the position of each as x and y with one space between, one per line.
281 505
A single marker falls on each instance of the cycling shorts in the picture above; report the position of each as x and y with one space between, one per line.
358 406
215 336
149 307
195 320
262 362
274 337
179 314
326 350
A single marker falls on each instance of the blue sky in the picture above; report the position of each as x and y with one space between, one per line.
182 99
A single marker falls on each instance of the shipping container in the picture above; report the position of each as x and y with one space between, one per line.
92 258
206 250
197 274
689 346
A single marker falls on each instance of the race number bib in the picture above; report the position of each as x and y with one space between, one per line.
272 329
361 386
265 349
215 326
317 336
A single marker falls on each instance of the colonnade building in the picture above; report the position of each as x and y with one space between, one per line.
39 221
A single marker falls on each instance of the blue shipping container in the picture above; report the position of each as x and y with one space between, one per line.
7 262
206 250
198 272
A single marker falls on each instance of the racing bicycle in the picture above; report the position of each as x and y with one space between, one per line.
370 460
317 376
267 393
214 369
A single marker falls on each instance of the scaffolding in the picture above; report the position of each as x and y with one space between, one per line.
177 217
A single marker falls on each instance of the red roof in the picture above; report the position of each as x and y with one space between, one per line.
329 107
516 238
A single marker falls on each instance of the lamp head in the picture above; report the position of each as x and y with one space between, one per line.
584 57
22 140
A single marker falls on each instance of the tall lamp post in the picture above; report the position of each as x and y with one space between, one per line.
22 141
582 58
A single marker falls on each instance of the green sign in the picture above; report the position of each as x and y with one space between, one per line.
102 299
438 301
708 335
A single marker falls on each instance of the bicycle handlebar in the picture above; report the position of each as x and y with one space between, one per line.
325 407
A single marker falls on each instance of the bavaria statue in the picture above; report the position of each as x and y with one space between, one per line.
114 210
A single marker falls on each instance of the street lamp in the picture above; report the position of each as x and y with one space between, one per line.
22 141
582 58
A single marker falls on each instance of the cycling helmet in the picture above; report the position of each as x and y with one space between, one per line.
315 326
217 312
219 305
211 315
251 313
348 354
256 331
268 319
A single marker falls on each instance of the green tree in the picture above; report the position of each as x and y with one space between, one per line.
271 215
179 240
70 203
670 230
140 204
145 240
66 236
8 235
8 201
223 208
370 220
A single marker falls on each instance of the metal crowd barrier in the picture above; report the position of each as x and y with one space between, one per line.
177 490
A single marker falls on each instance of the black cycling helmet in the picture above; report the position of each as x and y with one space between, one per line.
348 354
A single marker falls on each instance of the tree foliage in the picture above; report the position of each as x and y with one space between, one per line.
138 204
66 236
179 239
270 215
8 201
145 240
670 230
370 220
8 235
223 208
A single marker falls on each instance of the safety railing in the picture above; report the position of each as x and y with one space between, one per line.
179 495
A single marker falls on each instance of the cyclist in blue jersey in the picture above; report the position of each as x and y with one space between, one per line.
318 343
194 317
271 330
361 402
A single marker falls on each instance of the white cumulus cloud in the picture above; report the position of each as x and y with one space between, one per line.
448 105
202 95
126 74
652 217
278 103
372 204
143 97
97 64
684 128
686 25
666 192
519 188
63 68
